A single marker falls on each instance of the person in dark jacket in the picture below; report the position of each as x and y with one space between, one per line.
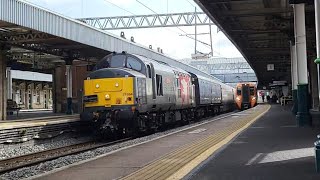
268 98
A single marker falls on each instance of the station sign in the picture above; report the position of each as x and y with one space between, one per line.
270 67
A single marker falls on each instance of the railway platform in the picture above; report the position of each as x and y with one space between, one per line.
272 148
33 113
172 156
259 143
36 126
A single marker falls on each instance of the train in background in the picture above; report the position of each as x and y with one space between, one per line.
246 96
128 93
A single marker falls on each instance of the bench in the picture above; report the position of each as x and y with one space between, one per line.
12 106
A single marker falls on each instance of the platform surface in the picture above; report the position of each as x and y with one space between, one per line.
32 113
38 120
272 148
163 158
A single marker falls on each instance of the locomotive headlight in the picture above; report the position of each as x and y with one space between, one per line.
116 84
253 98
238 99
97 86
107 96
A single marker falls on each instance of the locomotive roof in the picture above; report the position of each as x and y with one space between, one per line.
160 63
164 64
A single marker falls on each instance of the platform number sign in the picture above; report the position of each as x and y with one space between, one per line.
270 67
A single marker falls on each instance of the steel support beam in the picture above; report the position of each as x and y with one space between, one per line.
317 25
3 93
149 21
294 78
257 12
303 116
9 82
69 85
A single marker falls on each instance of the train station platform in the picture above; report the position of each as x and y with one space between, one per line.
31 114
259 143
36 126
272 148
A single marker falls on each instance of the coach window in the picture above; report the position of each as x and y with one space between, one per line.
149 71
177 82
238 91
159 85
133 63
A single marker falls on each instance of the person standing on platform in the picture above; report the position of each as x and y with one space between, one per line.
268 98
262 96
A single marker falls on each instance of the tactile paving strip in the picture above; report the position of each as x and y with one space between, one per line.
168 165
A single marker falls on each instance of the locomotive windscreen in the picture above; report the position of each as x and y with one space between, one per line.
111 61
121 61
245 93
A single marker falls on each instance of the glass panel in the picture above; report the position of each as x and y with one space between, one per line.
149 71
117 61
111 61
159 85
133 64
103 63
251 91
238 91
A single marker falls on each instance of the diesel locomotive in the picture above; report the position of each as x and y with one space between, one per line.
129 93
246 96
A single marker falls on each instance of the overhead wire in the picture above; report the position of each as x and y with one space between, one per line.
206 44
210 27
118 7
170 22
190 3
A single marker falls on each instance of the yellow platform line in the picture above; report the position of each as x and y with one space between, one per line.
167 159
180 162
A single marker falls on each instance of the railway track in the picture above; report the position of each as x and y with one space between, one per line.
13 163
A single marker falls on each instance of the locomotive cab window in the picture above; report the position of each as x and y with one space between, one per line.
251 91
117 61
238 91
159 85
111 61
133 63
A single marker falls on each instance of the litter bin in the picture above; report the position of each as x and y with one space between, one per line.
317 154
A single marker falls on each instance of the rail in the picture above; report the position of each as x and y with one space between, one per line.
13 163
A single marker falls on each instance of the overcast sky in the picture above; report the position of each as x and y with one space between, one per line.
167 38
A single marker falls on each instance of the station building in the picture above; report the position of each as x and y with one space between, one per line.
30 90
